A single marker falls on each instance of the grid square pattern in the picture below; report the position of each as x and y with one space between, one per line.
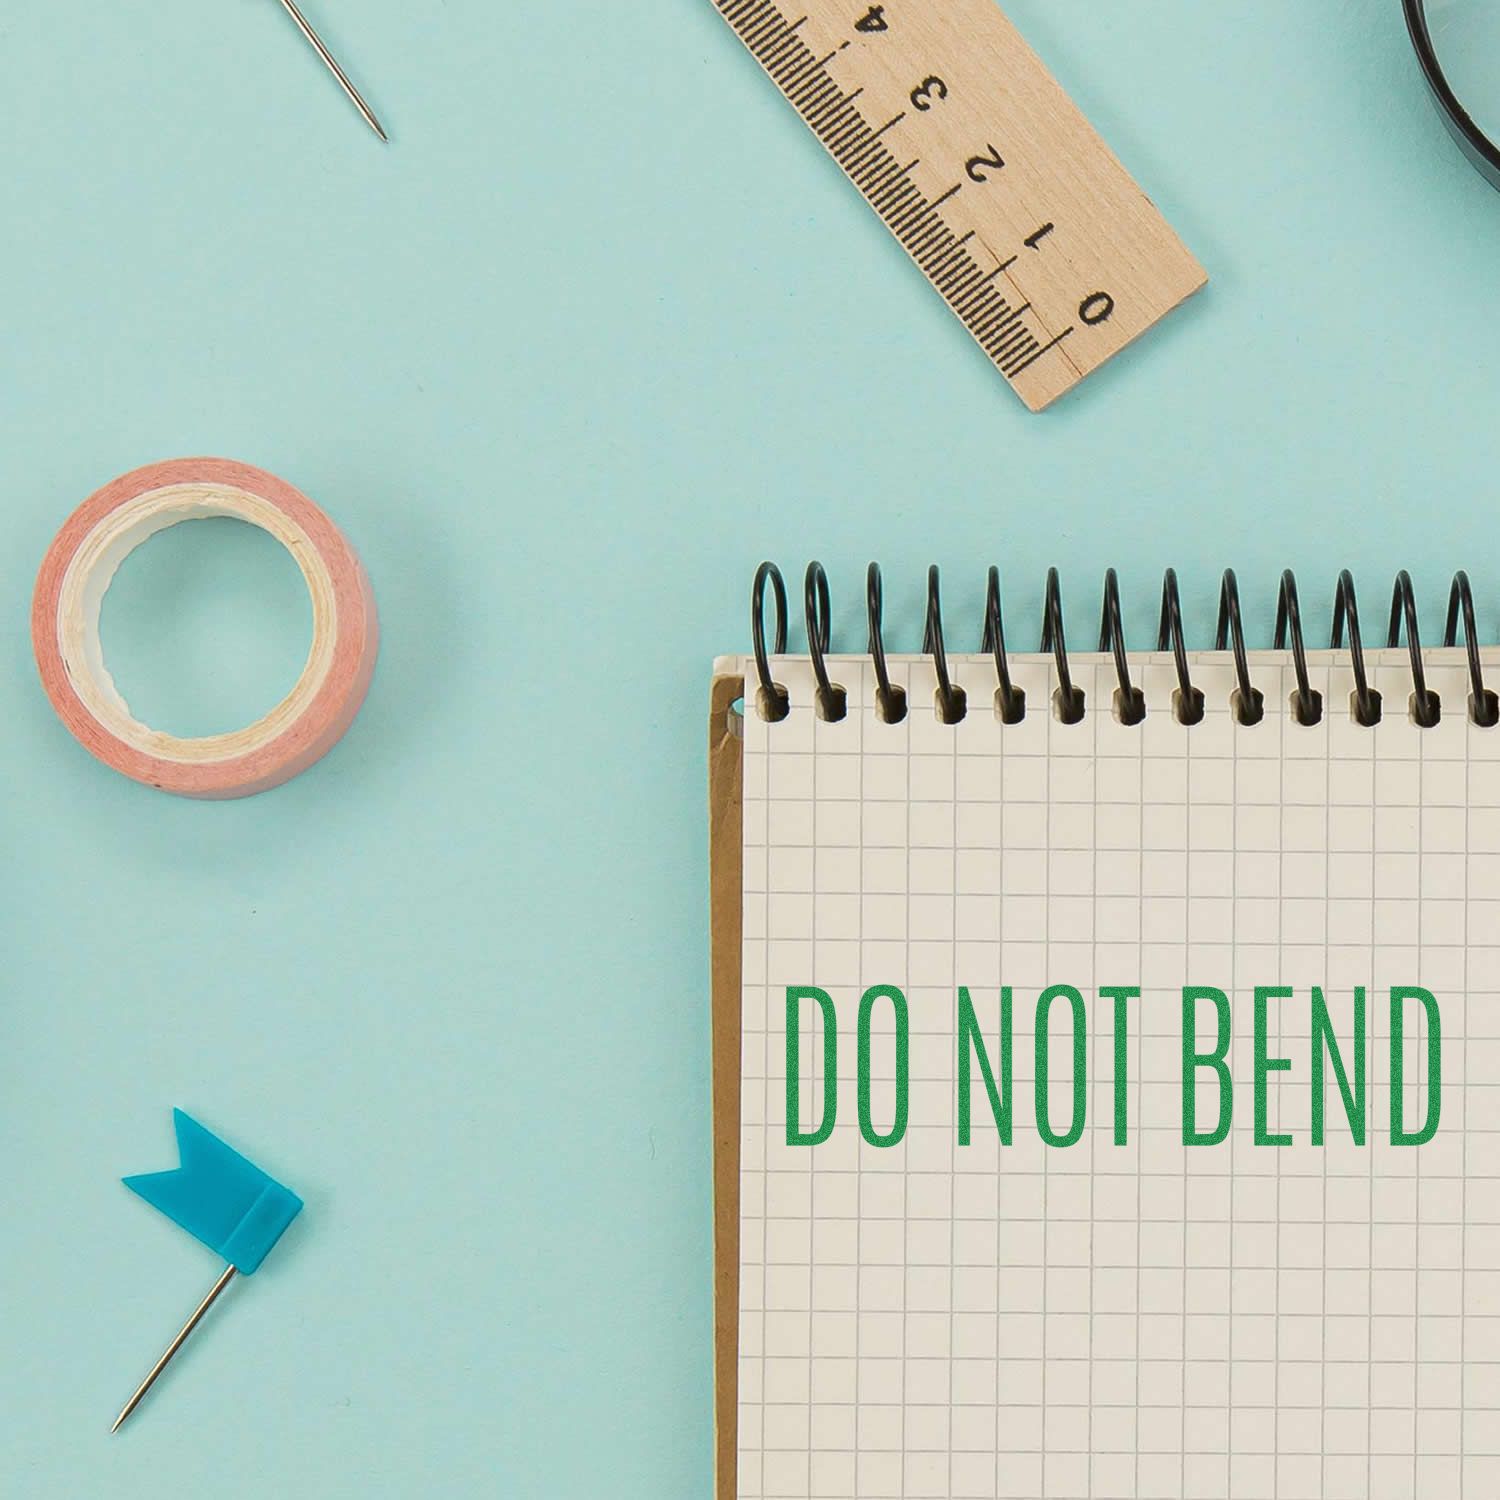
1104 1320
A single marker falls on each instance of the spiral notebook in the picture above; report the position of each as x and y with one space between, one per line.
1108 1108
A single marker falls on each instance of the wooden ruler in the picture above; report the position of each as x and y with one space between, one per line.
940 114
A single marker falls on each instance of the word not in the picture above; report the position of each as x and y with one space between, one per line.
1204 1068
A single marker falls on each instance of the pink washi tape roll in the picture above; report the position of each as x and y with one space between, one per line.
77 570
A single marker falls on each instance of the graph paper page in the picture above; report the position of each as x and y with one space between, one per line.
1103 1317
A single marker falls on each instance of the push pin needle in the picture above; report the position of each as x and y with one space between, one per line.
317 45
173 1347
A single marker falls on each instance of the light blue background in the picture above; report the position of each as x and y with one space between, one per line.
600 329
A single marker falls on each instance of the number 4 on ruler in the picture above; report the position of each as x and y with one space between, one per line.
957 135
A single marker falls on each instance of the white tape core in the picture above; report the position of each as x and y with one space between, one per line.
93 568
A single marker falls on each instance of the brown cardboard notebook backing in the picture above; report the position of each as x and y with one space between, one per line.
725 812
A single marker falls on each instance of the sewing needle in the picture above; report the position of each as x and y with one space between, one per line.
333 67
174 1346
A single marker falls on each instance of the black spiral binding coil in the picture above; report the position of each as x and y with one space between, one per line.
952 702
1307 702
833 701
1484 706
1366 701
1187 701
772 699
889 700
1068 698
1247 704
1130 701
1010 701
1425 708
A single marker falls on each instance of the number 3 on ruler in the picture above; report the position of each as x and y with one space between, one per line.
928 90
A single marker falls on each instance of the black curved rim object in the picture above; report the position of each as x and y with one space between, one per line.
951 700
1250 705
1366 699
775 703
1010 700
832 700
1070 705
890 699
1169 633
1307 707
1484 706
1132 702
1474 143
1426 706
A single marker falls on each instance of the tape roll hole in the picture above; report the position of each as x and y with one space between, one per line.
206 626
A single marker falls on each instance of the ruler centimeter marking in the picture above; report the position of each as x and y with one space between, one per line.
986 172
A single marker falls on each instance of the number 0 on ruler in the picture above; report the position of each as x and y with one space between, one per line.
1021 217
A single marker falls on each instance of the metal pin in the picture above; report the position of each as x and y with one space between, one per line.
333 67
172 1348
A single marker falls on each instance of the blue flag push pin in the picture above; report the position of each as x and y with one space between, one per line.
223 1200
